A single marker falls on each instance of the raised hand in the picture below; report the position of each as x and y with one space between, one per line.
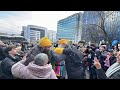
97 63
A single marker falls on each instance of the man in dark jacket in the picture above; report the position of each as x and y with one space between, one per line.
43 46
73 61
9 61
112 58
2 54
103 56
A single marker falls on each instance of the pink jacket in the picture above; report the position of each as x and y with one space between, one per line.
57 69
32 71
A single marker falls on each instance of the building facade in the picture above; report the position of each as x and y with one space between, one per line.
112 24
70 28
90 18
52 35
33 33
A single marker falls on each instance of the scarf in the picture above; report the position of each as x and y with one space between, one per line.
112 69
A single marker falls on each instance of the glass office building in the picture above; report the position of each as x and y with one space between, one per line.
112 25
89 17
70 28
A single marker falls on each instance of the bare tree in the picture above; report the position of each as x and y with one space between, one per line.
108 32
114 30
102 18
94 33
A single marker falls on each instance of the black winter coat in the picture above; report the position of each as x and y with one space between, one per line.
2 54
73 64
6 66
33 52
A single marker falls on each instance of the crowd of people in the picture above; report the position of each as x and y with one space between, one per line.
64 60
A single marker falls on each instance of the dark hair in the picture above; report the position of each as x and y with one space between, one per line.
92 44
110 50
116 47
9 48
88 47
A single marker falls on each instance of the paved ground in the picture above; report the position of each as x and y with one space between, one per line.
87 74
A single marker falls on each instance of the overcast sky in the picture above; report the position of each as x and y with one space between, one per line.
12 21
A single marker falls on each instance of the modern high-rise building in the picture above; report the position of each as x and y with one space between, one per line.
33 33
70 28
111 22
51 35
89 18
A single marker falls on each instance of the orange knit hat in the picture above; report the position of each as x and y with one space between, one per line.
58 50
43 42
62 41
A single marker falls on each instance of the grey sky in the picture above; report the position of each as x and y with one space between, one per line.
12 21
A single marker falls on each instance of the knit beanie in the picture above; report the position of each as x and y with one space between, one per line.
41 59
43 42
62 41
59 50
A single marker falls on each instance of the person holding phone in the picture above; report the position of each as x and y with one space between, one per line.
113 72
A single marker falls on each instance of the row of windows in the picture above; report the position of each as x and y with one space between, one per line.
66 36
68 19
67 26
32 33
67 23
66 30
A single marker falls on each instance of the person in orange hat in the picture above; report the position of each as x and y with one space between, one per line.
73 60
59 68
62 43
44 46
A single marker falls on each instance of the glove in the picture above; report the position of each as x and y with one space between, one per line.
59 50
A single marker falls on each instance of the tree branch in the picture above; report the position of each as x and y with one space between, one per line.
108 15
96 25
99 13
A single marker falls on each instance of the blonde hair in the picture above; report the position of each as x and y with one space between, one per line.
18 49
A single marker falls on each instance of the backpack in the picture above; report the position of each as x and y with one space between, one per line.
76 55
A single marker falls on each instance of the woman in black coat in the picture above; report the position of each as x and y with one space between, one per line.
113 71
9 61
2 54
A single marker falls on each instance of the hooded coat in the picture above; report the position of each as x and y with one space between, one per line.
33 71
